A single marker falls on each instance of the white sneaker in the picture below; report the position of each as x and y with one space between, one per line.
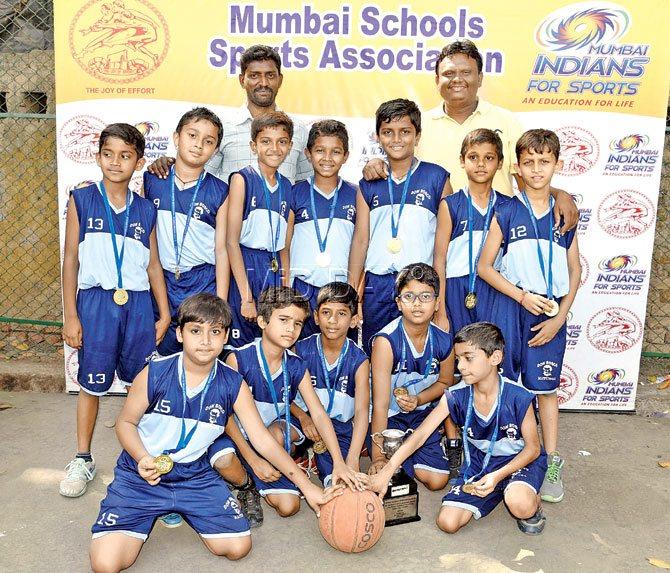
79 473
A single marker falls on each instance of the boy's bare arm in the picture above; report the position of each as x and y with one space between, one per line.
360 241
72 330
381 364
447 189
158 288
442 239
222 264
361 413
285 253
236 196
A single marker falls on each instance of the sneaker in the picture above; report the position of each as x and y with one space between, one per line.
250 504
552 486
171 520
454 452
533 525
79 473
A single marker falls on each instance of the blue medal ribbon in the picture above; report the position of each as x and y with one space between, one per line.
403 356
547 276
185 438
273 393
179 249
326 373
118 256
472 265
494 434
274 233
331 214
395 224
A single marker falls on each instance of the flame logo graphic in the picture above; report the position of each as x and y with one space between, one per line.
606 376
618 263
591 26
147 127
628 143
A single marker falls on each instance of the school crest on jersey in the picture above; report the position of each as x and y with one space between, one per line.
199 210
215 412
511 431
138 231
350 210
420 195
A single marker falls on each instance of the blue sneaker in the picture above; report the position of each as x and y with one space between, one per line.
171 520
533 525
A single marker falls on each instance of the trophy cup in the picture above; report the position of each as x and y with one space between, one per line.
401 501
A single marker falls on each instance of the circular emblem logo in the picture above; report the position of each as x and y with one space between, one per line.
629 143
626 214
568 385
71 365
585 270
579 150
79 137
119 41
606 376
614 329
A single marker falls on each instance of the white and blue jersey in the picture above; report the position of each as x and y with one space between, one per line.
520 264
417 224
256 232
412 369
97 264
305 243
344 387
198 245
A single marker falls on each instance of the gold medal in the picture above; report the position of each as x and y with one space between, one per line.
394 245
470 300
274 265
553 308
120 296
398 392
319 447
468 488
323 260
177 273
163 464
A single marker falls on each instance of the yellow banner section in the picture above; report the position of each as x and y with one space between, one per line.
345 60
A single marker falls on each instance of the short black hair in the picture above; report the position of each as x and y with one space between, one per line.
330 127
421 272
198 113
204 307
479 136
484 335
397 109
259 53
273 119
127 133
537 140
338 292
465 47
276 297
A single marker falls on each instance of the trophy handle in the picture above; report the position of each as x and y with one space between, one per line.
407 433
380 446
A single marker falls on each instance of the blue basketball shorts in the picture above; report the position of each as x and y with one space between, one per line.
460 316
379 305
115 338
531 476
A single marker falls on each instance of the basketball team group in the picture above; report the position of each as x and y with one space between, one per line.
256 321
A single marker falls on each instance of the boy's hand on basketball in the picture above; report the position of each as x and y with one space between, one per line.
161 167
376 466
147 470
309 429
407 403
316 497
72 332
265 470
162 325
353 462
375 169
343 473
248 310
485 485
546 331
379 483
534 303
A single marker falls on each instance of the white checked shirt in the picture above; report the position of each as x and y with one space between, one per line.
235 153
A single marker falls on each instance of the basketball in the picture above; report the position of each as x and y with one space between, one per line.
352 522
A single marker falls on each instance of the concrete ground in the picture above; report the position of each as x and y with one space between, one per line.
615 515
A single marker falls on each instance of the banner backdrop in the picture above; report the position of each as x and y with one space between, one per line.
597 73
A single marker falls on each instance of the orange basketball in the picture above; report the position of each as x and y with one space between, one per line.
352 522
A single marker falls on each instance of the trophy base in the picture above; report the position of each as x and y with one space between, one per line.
401 501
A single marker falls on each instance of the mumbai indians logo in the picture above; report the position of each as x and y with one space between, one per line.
618 263
155 144
629 143
568 30
147 127
606 376
614 330
573 331
579 150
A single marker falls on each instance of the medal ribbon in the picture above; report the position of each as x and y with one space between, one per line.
403 356
472 265
118 256
184 438
331 213
178 250
494 434
547 276
273 392
395 224
274 233
326 373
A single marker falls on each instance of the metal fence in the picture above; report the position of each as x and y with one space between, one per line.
30 299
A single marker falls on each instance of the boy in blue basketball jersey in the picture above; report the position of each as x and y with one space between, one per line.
412 363
274 375
257 218
396 217
539 274
109 264
177 407
504 459
191 220
321 217
340 373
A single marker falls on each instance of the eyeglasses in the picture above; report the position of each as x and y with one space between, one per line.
410 297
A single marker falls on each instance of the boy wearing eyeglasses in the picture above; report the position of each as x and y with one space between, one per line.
412 365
